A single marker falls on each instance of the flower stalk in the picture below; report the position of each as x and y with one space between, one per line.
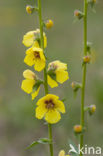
45 73
84 74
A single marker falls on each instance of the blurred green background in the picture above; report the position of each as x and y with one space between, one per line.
18 125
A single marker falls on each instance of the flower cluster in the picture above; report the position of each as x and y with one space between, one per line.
49 107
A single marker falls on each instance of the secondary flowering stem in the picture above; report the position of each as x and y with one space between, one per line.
45 72
84 73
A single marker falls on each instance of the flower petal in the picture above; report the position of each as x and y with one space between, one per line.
35 94
60 106
28 39
27 85
45 41
52 83
28 74
42 57
52 116
51 96
61 65
36 44
47 97
40 111
29 59
61 76
58 64
62 153
39 65
29 51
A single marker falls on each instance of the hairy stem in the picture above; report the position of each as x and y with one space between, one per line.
45 73
84 74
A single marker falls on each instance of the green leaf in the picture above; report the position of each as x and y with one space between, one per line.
32 144
44 141
40 141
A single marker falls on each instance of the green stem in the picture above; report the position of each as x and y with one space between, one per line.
45 73
84 74
50 137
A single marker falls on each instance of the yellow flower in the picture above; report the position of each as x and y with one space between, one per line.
62 153
57 72
29 83
49 24
35 56
33 36
50 107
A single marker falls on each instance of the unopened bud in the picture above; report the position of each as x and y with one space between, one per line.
78 14
86 59
92 109
75 86
29 9
89 44
49 24
92 2
77 129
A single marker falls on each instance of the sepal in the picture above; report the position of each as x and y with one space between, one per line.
37 85
52 74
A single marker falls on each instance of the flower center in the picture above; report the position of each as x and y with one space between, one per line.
49 104
37 55
53 66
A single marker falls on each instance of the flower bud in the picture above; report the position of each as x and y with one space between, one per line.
89 44
75 86
77 129
86 59
78 14
49 24
92 2
92 109
29 9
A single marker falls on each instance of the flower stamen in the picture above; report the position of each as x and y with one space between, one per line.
36 54
49 104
